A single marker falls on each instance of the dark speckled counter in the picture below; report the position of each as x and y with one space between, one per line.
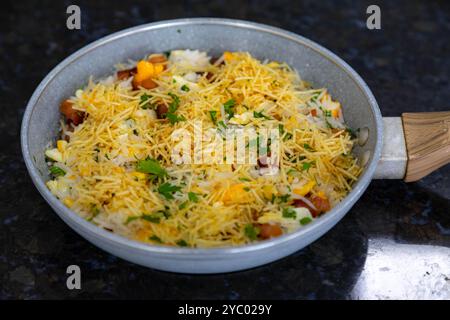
394 243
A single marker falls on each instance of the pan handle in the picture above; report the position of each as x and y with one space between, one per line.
427 137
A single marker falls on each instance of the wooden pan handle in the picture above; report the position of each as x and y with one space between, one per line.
427 136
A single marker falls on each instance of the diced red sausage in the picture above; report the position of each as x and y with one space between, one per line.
127 73
72 116
267 230
146 83
301 204
161 111
160 58
322 205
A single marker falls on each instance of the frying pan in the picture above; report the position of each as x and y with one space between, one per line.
415 144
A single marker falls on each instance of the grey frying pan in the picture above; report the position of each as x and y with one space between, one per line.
424 136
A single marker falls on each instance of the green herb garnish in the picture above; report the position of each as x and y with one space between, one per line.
284 198
193 196
145 104
167 190
307 147
222 124
129 219
251 231
289 213
173 118
306 166
283 131
213 115
151 166
57 171
291 171
228 107
305 221
185 88
155 238
260 115
173 106
95 211
154 218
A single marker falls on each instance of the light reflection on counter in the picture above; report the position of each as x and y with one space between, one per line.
404 271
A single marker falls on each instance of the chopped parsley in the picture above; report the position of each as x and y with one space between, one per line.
193 196
173 118
289 213
222 124
213 115
306 166
228 107
57 171
155 238
95 212
145 104
167 190
291 171
315 96
284 198
151 166
307 147
251 231
185 88
305 221
260 115
154 218
173 106
283 131
129 219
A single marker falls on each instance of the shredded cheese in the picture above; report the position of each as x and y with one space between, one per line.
102 184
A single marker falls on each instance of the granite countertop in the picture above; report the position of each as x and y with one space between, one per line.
394 243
